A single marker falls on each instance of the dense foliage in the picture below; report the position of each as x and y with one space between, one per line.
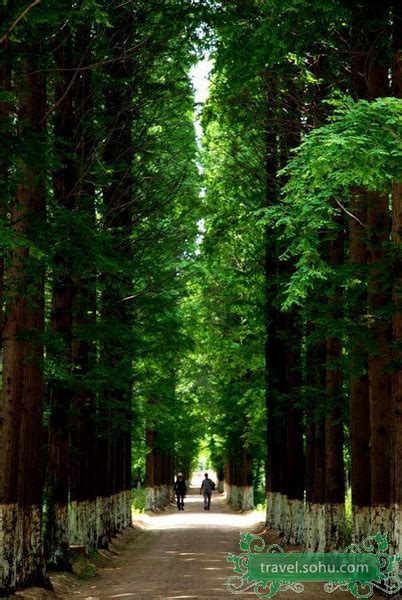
160 293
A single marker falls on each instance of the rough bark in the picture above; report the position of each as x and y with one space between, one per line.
359 384
380 353
239 484
102 483
295 467
60 392
5 86
315 437
308 526
396 399
318 503
159 473
117 217
277 390
21 478
283 361
334 467
240 497
149 470
82 524
274 352
276 431
82 530
370 80
310 436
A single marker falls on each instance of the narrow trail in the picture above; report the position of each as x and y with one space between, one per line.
176 554
180 555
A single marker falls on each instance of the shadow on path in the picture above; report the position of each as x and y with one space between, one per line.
173 555
176 554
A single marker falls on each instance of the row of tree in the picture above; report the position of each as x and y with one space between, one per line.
303 250
98 204
139 315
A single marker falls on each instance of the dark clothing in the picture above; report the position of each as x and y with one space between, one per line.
207 500
180 490
180 487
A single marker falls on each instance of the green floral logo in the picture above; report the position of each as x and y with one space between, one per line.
360 569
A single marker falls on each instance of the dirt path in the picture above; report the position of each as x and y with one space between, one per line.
179 555
175 554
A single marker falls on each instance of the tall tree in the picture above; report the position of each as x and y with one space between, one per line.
83 444
60 390
396 407
334 417
359 382
21 476
371 81
118 213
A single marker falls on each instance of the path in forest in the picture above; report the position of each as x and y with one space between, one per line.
175 555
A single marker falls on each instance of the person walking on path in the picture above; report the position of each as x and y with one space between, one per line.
180 490
207 487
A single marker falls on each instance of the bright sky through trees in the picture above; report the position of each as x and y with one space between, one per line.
200 78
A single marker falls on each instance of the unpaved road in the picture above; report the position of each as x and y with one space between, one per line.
177 555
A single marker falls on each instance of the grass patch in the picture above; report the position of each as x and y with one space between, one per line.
138 500
84 568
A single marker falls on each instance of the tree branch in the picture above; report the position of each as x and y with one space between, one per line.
18 19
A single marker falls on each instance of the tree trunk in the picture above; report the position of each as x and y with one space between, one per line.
396 399
276 428
379 362
83 486
246 482
370 80
295 466
320 474
150 471
274 346
239 485
289 336
159 473
21 480
102 480
359 384
83 451
220 486
117 216
315 442
315 359
158 478
309 480
5 124
60 391
396 406
334 467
